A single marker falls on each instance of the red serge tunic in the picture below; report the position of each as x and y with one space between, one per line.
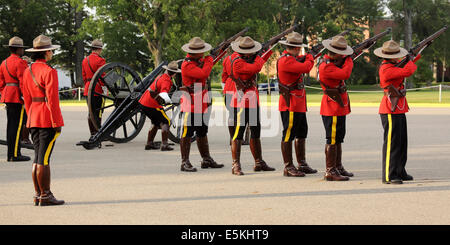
162 84
42 114
390 74
333 76
229 87
95 62
245 71
193 75
290 71
10 88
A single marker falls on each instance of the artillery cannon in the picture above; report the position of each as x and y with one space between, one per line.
122 90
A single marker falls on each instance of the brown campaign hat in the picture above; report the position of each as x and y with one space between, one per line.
246 46
96 44
390 50
42 43
196 45
172 66
338 45
15 42
293 39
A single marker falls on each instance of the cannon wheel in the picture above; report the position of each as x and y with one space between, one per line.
176 123
119 81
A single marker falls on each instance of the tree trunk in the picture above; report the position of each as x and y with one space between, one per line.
408 32
79 47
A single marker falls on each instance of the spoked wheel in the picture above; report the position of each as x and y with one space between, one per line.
118 81
176 123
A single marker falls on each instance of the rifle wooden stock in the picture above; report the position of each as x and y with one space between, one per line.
413 52
219 51
276 38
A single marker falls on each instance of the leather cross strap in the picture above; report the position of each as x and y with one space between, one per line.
7 70
37 84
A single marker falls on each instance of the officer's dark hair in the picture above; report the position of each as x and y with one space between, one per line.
38 56
13 49
95 49
331 52
170 73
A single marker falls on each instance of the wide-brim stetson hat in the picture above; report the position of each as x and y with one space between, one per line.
172 66
294 39
42 43
338 45
196 45
246 46
15 42
96 44
390 50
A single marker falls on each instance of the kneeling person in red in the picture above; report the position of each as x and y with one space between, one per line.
40 94
152 100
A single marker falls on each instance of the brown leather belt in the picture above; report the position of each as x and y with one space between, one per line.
402 94
39 99
12 84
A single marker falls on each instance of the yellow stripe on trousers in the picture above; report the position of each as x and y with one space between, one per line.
388 146
291 123
16 146
333 130
185 124
164 114
49 148
236 131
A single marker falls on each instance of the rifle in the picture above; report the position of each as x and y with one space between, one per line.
221 49
416 50
366 44
275 39
316 50
393 93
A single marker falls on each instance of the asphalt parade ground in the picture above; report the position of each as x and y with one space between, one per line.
124 184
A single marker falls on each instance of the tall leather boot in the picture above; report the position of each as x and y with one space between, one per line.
300 153
150 137
331 173
339 165
236 155
43 177
37 190
203 148
260 164
231 132
185 147
165 138
289 168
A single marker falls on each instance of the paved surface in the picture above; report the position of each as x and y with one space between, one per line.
124 184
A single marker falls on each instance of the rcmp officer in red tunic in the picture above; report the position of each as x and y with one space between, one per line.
335 104
244 68
89 66
11 72
195 104
290 69
152 100
40 93
392 111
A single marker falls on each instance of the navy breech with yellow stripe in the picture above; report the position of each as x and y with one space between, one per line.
194 122
156 115
44 142
395 146
16 115
334 129
295 125
244 116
